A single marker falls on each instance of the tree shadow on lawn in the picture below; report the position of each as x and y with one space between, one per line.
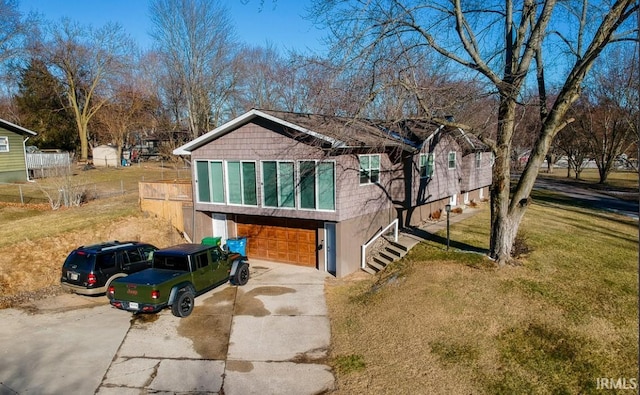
423 234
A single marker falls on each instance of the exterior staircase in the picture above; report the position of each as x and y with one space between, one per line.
387 251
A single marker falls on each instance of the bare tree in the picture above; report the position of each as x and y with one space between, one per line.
504 42
612 108
86 61
133 107
573 140
11 29
194 39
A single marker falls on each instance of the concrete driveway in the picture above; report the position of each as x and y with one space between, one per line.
262 338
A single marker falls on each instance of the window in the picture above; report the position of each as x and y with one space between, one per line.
369 169
308 184
426 165
478 159
201 260
132 256
210 181
241 183
106 261
452 160
317 185
4 144
278 184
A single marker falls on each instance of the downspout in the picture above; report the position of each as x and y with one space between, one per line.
24 151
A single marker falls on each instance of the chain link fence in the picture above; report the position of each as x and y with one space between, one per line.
68 191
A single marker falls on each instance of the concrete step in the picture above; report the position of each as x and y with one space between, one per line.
398 252
399 246
369 270
389 256
382 261
376 266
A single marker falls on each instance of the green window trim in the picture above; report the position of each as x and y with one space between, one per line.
278 184
369 169
241 183
317 187
307 185
210 182
202 181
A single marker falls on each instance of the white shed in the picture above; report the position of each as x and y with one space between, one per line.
105 156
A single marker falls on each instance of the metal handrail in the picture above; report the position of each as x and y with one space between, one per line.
393 223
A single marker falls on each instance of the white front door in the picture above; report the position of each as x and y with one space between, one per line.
220 227
453 200
330 247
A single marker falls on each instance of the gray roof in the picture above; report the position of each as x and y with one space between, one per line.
337 132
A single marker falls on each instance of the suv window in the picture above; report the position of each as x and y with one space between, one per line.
147 252
106 261
131 256
81 260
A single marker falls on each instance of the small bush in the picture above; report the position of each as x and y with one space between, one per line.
436 214
520 246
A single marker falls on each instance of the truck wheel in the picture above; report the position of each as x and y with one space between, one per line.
242 274
183 305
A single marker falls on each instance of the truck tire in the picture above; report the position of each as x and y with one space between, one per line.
242 274
183 305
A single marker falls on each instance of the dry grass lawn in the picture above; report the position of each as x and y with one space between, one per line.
34 240
441 322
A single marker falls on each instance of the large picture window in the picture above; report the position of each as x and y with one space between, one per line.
278 180
4 144
317 185
210 181
369 169
426 165
241 183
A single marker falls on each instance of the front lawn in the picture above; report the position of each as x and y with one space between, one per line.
451 323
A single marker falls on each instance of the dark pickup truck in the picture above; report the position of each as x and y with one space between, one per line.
178 274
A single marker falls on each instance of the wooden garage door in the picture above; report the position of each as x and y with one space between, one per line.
278 239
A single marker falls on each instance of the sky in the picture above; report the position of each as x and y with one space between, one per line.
279 23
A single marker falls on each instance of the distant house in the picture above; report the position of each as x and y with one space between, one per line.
13 162
311 189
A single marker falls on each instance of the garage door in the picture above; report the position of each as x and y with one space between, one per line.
279 239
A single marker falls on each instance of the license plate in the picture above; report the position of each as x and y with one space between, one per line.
72 276
133 305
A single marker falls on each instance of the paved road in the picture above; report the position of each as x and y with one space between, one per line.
271 336
590 197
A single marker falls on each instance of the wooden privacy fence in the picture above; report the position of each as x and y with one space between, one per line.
167 199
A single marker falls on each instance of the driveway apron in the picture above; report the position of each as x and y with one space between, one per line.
270 336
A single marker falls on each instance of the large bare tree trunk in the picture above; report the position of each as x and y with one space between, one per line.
502 230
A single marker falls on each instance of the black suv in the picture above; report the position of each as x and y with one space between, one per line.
89 270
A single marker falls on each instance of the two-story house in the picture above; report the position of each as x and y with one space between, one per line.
311 189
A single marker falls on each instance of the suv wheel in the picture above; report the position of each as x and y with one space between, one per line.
183 305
